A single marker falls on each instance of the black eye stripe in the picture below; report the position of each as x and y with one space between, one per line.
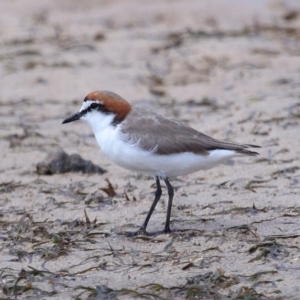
94 105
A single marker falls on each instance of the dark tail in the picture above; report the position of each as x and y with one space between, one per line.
243 149
238 148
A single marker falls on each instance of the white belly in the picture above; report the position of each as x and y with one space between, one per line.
130 157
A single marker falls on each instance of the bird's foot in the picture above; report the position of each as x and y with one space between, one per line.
167 229
141 231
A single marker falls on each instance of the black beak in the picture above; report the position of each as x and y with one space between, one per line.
75 117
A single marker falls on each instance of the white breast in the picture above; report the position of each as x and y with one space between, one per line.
131 157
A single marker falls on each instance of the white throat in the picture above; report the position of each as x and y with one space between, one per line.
98 121
106 134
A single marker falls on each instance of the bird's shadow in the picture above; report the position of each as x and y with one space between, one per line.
143 234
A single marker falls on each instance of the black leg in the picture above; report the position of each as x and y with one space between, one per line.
155 201
171 195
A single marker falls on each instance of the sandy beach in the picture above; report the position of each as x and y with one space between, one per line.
230 70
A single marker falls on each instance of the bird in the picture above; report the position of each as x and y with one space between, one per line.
146 142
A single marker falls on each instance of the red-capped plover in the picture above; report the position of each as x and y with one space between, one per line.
143 141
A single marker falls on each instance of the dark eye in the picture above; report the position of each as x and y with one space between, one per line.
94 105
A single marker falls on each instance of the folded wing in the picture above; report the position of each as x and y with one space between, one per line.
169 136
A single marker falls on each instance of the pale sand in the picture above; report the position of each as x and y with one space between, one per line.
243 56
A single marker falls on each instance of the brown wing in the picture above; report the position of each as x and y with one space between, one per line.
170 136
